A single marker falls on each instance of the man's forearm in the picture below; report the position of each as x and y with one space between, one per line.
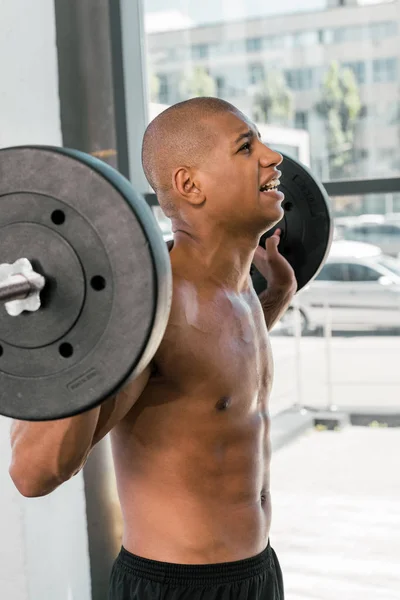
274 302
45 454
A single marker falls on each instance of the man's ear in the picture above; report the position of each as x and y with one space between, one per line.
187 186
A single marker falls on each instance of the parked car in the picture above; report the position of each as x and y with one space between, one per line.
358 287
381 233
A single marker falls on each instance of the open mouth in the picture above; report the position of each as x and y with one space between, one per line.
270 186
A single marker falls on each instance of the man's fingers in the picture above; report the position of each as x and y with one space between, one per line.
276 236
263 254
271 243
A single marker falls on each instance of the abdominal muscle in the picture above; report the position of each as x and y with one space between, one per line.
193 490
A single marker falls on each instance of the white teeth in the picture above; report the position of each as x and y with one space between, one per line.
273 184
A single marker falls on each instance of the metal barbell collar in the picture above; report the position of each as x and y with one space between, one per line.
20 287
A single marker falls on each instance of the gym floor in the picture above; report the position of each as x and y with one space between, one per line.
336 513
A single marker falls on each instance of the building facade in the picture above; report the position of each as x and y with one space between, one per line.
301 46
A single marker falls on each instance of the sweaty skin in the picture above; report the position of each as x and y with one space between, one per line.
193 456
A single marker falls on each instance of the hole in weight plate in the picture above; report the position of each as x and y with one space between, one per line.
58 217
98 283
66 350
1 350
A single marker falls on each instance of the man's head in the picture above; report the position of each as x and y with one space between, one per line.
205 161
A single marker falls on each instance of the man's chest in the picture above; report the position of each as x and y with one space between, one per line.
222 344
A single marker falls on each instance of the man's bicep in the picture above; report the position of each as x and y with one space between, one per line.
115 409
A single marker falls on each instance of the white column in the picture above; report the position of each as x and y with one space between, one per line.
43 542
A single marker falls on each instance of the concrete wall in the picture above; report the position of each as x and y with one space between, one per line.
43 542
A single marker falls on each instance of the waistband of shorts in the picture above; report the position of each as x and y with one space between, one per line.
191 575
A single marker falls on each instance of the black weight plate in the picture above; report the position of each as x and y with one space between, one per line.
108 280
63 297
307 228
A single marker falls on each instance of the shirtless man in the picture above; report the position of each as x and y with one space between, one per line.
190 436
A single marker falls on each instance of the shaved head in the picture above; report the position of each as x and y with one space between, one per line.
181 136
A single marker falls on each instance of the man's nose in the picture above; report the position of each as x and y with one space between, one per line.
270 158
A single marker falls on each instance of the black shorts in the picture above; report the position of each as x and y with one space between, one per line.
256 578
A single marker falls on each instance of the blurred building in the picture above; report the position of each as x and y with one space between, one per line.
362 36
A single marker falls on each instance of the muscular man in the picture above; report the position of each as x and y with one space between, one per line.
190 436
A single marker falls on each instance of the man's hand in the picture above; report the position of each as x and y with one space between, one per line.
282 284
273 266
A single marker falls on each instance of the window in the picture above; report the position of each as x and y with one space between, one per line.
253 44
384 70
374 229
220 82
389 230
301 120
300 79
364 112
327 36
305 38
361 154
386 153
314 371
362 273
392 113
359 70
235 47
333 272
273 41
339 35
240 42
256 73
348 34
382 30
163 93
199 51
215 50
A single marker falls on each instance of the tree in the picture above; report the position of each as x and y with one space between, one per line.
273 100
197 83
340 106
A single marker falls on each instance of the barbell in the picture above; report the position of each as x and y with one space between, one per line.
85 276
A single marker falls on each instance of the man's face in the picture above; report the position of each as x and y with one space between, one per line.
233 173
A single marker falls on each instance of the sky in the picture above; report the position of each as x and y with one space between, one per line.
210 11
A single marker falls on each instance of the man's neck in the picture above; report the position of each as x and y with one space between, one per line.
217 257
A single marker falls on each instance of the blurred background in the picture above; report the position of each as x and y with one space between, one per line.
321 79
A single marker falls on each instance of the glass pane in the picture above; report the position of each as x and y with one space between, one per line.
320 77
333 272
346 360
359 272
321 80
358 288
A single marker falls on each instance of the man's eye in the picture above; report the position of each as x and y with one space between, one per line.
246 146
